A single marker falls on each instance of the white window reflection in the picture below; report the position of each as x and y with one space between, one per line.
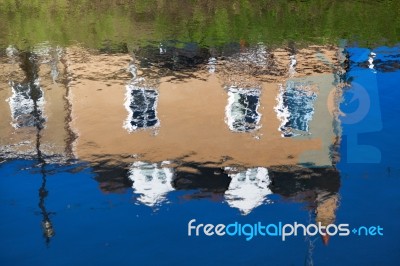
151 181
27 105
212 65
248 189
242 110
292 65
141 104
295 108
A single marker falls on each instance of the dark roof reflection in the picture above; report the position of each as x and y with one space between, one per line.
197 177
289 181
112 178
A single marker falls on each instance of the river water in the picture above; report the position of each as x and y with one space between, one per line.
119 128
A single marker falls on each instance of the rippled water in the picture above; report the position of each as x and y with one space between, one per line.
110 145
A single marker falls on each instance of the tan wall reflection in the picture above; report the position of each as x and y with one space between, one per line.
23 141
191 110
191 113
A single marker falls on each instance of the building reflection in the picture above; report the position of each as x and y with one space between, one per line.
169 89
98 107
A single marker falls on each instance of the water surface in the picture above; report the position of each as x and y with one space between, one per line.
119 128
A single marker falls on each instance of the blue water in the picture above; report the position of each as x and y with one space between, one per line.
97 228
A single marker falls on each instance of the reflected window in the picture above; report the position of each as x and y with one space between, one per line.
27 106
248 189
295 108
151 181
141 104
212 65
242 110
